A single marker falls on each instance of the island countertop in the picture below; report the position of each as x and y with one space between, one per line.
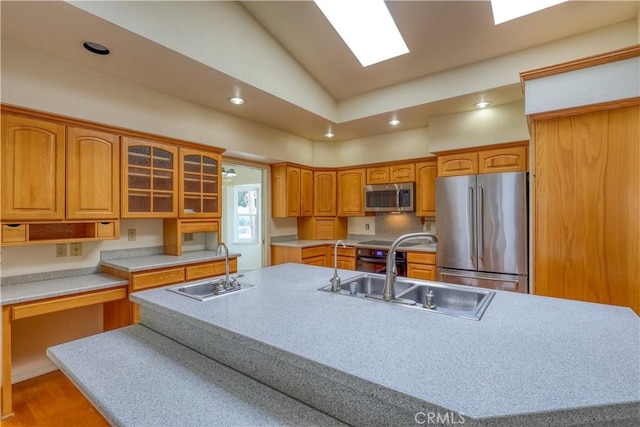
530 359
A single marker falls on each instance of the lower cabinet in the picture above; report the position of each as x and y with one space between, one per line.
346 258
321 255
148 279
421 265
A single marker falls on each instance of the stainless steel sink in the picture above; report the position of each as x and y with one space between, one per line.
435 297
209 288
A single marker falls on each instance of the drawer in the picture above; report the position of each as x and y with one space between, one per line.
314 251
316 260
421 257
157 278
14 233
346 252
106 229
215 268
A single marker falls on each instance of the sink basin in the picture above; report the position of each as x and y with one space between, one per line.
209 288
452 300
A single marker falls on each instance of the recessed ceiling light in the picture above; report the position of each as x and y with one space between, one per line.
482 104
366 27
394 122
236 100
329 134
506 10
96 48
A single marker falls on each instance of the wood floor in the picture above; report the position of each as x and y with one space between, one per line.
51 400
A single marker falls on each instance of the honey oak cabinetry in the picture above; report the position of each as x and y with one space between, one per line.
313 255
426 174
324 193
306 192
391 174
322 228
292 191
509 157
149 179
421 265
351 192
346 257
200 184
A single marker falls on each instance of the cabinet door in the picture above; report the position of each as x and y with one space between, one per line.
93 174
421 271
32 169
293 191
511 159
306 192
351 192
378 175
403 173
149 176
458 164
426 174
324 186
200 184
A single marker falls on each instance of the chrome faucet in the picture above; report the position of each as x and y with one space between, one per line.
335 280
389 290
226 261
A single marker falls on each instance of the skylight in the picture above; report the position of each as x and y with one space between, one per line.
366 27
506 10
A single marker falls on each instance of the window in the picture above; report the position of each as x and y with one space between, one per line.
247 202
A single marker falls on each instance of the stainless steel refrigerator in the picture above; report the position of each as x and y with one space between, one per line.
482 233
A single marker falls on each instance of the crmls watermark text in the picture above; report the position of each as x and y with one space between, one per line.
439 418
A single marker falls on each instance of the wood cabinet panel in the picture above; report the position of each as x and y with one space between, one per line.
502 160
214 268
322 228
587 199
378 175
200 184
13 233
351 192
458 164
421 265
293 191
153 279
306 192
402 173
324 186
426 174
346 258
92 174
33 169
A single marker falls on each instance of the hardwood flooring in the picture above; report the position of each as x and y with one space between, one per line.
51 400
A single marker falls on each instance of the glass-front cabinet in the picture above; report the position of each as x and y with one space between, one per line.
149 178
200 184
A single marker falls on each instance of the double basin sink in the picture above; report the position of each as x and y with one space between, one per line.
452 300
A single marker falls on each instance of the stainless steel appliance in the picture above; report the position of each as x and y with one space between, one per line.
373 260
389 197
482 230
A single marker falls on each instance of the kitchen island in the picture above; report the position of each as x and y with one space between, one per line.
529 361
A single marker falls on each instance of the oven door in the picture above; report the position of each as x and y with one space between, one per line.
379 265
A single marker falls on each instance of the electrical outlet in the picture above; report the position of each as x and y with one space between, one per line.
75 249
366 226
61 249
427 226
132 234
188 237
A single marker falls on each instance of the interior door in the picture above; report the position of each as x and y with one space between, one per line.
455 216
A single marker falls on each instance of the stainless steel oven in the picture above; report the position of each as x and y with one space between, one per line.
375 261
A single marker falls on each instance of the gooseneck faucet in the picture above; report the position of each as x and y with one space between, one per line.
226 261
335 280
389 290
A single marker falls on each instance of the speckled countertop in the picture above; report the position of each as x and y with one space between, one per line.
530 361
160 261
32 291
431 247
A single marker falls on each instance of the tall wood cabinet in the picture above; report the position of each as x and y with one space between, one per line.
426 174
292 191
351 192
200 184
586 239
324 193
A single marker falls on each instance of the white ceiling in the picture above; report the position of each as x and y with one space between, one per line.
441 35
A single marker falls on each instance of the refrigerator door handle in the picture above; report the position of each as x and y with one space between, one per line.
481 222
472 234
495 279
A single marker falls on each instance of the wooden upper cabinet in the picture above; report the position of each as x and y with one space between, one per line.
351 192
93 174
502 160
306 192
200 184
458 164
33 169
426 174
378 175
293 191
324 186
149 179
403 173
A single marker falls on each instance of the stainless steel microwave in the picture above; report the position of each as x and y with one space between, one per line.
389 197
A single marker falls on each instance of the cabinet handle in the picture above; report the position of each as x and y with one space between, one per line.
13 225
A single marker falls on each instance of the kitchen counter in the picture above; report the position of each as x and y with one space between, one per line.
530 361
161 261
32 291
431 247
